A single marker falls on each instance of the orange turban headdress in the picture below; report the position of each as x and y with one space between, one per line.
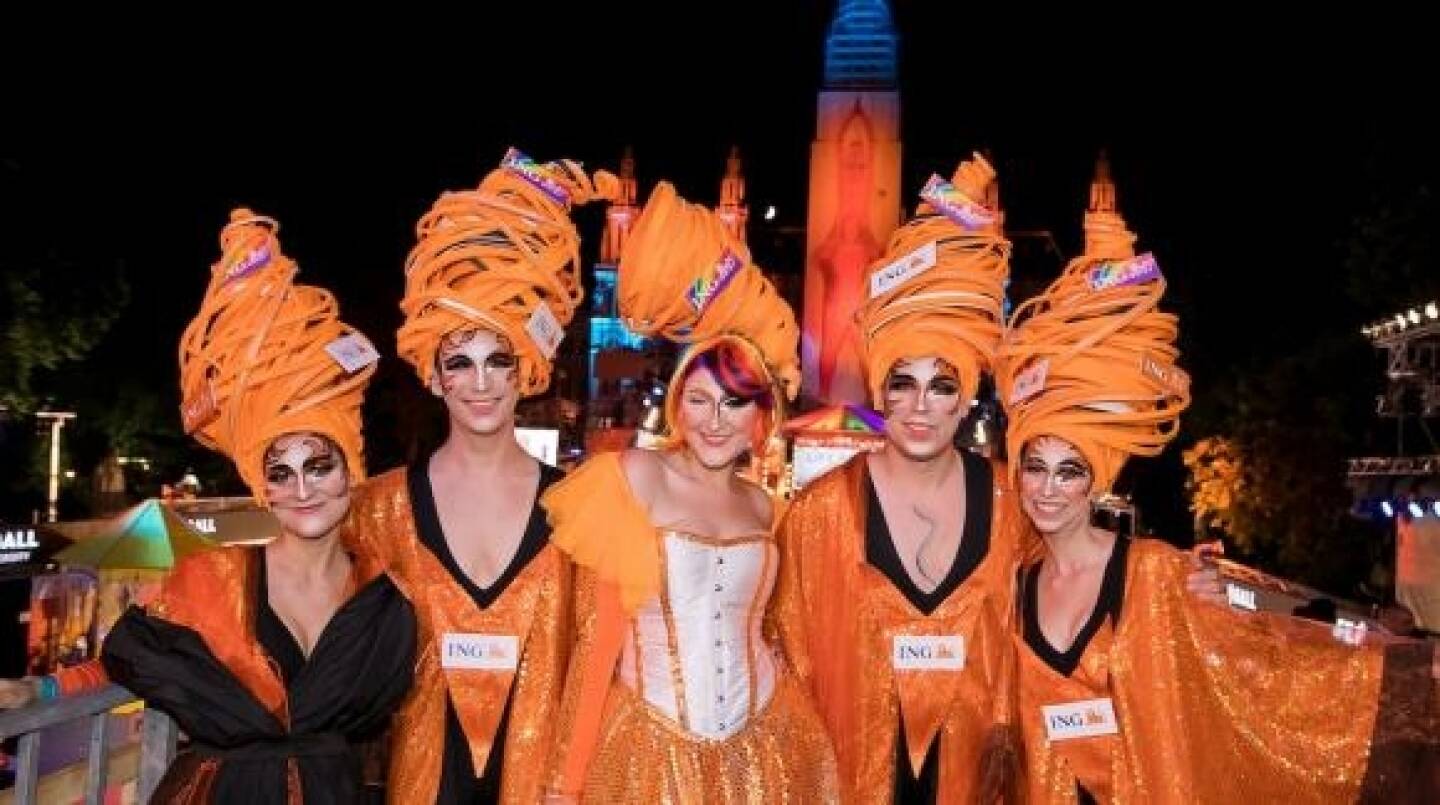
683 277
504 257
939 289
1092 360
265 357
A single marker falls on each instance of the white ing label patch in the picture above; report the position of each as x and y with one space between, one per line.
903 270
545 330
1240 597
928 653
353 352
1082 719
483 651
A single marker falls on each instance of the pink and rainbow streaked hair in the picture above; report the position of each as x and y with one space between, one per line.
738 367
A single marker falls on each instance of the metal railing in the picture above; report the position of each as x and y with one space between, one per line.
157 741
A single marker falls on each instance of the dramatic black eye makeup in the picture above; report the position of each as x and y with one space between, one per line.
324 459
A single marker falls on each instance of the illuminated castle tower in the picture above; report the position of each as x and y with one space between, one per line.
619 360
1102 187
621 214
732 209
854 192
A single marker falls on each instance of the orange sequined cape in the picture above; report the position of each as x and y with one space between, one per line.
1216 705
535 607
838 618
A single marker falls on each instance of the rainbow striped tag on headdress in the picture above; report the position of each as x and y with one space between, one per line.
253 260
1116 273
955 205
541 176
704 290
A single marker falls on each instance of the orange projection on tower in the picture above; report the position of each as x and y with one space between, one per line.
854 193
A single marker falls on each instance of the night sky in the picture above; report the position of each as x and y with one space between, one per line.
1240 159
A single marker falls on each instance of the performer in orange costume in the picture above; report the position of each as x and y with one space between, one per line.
897 568
1130 691
279 663
675 694
489 288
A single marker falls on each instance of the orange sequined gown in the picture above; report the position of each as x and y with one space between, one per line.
1215 705
679 697
842 620
479 721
